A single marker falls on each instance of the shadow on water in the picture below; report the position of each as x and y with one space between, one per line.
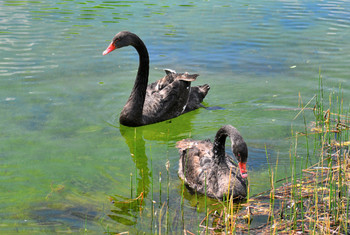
50 218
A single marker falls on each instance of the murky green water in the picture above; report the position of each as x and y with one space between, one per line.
63 154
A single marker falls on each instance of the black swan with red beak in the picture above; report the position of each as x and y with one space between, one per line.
208 169
164 99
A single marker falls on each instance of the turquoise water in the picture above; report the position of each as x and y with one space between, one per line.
63 155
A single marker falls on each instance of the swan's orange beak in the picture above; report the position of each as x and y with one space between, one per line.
243 169
110 48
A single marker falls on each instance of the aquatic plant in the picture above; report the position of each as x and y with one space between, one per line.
315 199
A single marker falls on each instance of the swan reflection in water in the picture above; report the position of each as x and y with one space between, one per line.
126 210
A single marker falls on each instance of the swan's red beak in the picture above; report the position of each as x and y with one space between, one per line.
110 48
243 169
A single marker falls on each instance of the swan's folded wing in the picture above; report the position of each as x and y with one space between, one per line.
195 162
167 103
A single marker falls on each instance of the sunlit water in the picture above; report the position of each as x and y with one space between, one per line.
63 155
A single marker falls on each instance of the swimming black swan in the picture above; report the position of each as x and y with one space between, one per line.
167 98
202 161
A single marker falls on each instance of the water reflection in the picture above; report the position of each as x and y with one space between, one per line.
134 139
127 210
164 133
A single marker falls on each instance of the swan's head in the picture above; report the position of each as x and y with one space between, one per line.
122 39
241 153
238 146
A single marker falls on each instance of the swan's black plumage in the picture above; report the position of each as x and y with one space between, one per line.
204 161
164 99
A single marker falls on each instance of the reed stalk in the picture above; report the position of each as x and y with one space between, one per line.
183 182
249 215
167 196
160 188
205 204
272 200
294 182
301 164
183 192
131 186
197 211
347 209
152 198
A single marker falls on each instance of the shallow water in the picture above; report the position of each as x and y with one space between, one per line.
63 152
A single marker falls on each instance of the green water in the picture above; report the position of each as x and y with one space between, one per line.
63 154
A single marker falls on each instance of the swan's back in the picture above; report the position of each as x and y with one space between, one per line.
198 165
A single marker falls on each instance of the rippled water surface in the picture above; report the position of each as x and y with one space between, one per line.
64 157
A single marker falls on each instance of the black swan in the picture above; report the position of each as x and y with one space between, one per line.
164 99
203 161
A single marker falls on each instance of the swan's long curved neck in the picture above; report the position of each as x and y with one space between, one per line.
220 139
131 114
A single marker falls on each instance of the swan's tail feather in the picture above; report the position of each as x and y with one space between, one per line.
204 89
184 144
169 71
181 76
187 77
172 75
